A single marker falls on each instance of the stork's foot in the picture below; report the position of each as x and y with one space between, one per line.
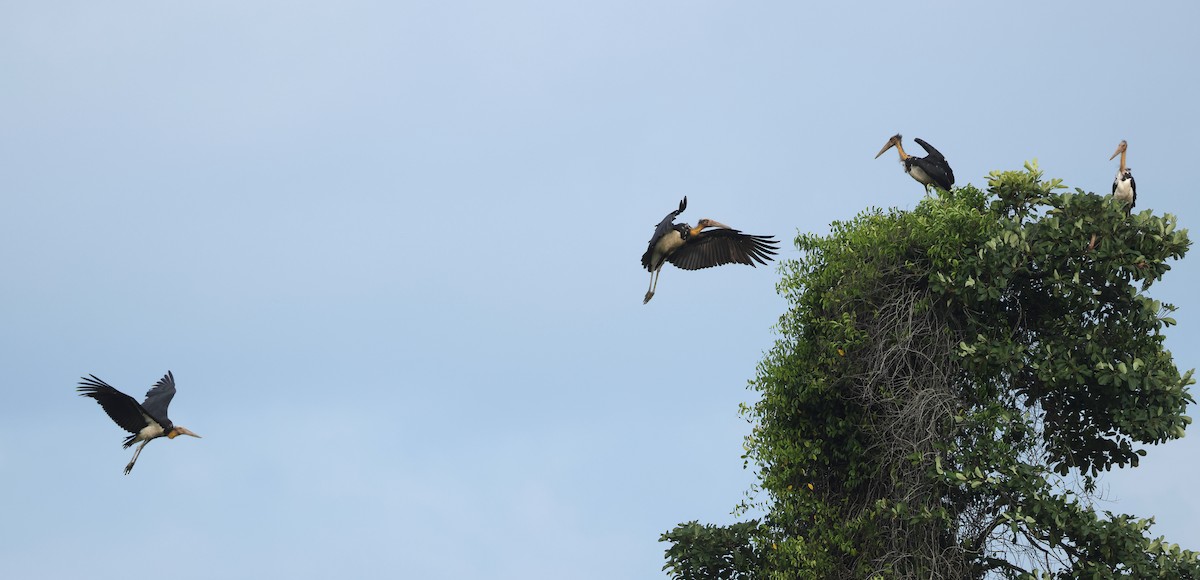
649 295
129 467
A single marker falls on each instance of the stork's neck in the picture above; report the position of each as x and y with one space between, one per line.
900 148
1122 161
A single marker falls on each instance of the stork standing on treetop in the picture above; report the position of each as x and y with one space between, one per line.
929 170
1124 187
147 421
699 247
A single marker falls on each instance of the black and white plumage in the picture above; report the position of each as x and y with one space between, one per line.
931 170
147 421
1124 188
696 248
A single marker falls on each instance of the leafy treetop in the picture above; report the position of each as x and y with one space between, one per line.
949 383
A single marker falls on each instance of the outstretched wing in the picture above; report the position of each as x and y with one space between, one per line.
663 227
159 396
933 153
721 246
935 165
121 408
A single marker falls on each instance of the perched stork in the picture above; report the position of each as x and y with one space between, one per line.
929 170
1124 188
694 248
147 421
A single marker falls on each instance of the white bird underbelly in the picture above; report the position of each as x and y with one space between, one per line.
919 174
670 242
151 431
1124 190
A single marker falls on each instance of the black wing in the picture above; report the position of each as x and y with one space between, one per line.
159 396
721 246
933 153
1133 190
121 408
938 170
661 230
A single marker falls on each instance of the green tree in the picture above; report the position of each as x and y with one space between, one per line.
948 385
701 552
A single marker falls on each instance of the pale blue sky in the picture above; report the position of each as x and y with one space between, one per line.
391 252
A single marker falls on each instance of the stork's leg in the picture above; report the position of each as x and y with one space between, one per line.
129 467
653 285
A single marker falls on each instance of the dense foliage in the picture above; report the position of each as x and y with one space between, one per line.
949 383
699 552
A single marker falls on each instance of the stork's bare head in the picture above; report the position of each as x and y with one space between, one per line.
1120 150
707 223
893 142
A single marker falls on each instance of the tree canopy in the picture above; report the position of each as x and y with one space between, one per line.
947 386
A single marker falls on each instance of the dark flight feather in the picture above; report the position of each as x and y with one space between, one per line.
722 246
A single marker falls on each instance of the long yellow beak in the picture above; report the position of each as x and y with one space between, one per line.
893 142
707 223
1120 150
177 431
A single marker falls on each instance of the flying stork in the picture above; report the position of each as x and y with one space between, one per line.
699 247
929 170
147 421
1124 187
